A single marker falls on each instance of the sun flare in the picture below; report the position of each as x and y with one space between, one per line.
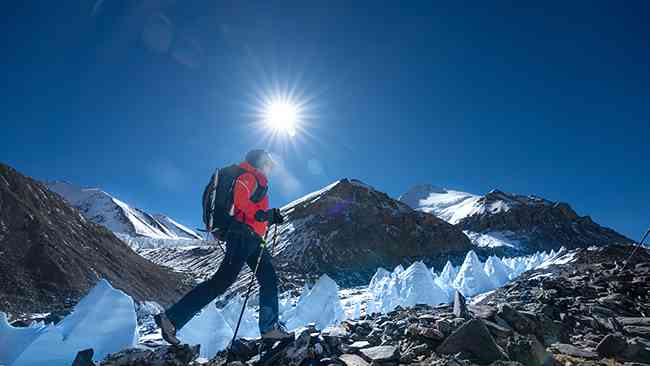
282 116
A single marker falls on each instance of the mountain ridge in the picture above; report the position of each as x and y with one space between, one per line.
103 208
512 223
51 255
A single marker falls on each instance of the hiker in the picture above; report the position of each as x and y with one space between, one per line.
242 225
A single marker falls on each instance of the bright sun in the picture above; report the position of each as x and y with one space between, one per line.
282 116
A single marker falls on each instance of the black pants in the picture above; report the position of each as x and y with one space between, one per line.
242 246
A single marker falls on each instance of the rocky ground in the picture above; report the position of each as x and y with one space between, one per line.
589 310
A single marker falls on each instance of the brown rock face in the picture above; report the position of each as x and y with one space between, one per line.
540 224
50 256
349 230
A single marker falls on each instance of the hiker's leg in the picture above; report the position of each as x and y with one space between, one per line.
201 295
268 281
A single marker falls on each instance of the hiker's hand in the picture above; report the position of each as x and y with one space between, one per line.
276 217
272 216
263 216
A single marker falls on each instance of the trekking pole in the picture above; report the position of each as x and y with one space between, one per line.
636 247
250 286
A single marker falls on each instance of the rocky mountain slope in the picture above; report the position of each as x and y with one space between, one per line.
348 229
103 209
510 223
51 255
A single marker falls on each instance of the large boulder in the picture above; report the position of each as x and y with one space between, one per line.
474 339
162 356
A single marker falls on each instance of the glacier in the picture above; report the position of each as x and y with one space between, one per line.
104 320
471 278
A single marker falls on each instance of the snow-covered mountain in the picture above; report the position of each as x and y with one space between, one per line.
101 208
51 255
511 223
349 229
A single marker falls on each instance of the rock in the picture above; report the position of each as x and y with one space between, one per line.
553 331
425 332
457 322
522 322
353 360
431 333
527 350
427 317
381 353
243 349
445 326
497 330
611 345
299 350
163 356
333 340
634 321
482 311
618 303
375 336
450 361
460 306
571 350
637 349
638 331
331 362
351 348
84 358
474 338
414 352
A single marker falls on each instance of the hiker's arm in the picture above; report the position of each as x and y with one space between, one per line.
244 188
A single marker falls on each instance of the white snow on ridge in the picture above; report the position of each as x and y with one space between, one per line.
453 206
102 208
449 205
493 239
308 197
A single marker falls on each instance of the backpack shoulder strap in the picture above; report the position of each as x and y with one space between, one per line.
260 191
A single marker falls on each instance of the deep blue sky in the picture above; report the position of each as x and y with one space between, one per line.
548 100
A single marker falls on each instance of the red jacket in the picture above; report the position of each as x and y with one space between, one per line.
245 209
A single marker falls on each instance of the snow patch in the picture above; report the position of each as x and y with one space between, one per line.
493 239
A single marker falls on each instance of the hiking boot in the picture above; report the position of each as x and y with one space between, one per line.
167 329
277 333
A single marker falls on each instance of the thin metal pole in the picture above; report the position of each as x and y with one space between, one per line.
636 247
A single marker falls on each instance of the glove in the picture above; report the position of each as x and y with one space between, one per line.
272 216
276 217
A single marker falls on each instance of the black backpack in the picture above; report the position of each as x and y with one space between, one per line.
218 198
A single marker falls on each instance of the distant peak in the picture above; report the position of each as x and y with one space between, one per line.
429 188
420 192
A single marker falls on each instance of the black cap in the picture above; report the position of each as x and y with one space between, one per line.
258 158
